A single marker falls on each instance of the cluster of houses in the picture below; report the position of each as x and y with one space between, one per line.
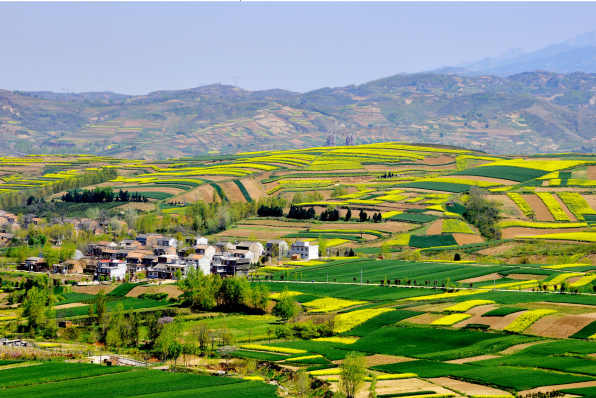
9 221
161 257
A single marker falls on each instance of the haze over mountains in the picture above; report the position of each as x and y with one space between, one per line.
574 54
542 101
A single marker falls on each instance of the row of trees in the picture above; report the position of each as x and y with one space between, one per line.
299 213
102 194
268 211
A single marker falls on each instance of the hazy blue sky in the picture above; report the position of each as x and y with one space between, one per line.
136 48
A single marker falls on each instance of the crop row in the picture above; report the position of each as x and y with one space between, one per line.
522 204
553 206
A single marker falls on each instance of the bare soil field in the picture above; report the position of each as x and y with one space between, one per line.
171 290
435 228
398 386
510 233
380 359
482 278
565 308
539 327
232 191
540 209
93 289
473 359
253 188
467 388
527 277
493 251
71 305
493 321
466 239
592 172
204 192
566 326
558 387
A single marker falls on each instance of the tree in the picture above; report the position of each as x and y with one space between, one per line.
100 305
339 191
167 344
37 307
286 307
348 214
226 353
301 383
322 246
353 372
363 216
51 256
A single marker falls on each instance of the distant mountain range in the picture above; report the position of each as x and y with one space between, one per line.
572 55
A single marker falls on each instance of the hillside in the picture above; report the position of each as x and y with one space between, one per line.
530 112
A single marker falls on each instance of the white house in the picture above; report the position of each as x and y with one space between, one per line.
199 240
305 250
200 261
166 241
206 250
112 269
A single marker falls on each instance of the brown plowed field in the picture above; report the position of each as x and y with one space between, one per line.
592 172
435 228
540 209
232 191
565 327
467 388
527 277
494 322
71 305
253 188
558 387
94 289
204 192
473 359
510 233
540 326
466 239
482 278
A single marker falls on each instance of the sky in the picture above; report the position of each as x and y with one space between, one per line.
139 47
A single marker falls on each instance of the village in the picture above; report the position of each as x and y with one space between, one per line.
155 256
